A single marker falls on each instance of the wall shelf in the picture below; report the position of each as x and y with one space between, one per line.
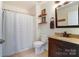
42 15
43 23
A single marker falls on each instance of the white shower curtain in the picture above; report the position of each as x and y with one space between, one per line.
9 46
24 31
17 32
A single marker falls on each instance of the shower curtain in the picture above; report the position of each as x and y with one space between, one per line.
18 32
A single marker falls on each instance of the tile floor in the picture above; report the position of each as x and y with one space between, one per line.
30 53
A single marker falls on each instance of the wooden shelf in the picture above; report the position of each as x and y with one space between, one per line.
42 23
42 15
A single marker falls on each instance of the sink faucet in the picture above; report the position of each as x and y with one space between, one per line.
65 34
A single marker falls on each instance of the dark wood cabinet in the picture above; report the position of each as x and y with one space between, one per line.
58 48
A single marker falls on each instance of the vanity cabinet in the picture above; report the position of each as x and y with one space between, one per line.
58 48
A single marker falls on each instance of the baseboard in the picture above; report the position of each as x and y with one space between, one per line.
23 50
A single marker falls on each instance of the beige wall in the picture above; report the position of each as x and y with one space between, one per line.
44 29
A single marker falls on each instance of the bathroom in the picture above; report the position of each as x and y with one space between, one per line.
25 33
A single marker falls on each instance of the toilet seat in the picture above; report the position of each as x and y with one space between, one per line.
39 47
38 43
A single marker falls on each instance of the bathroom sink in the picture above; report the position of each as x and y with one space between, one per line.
62 34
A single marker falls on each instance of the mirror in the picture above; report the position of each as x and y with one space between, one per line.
67 15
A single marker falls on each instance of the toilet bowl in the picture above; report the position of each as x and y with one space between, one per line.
39 47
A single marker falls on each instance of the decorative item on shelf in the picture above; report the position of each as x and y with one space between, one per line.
43 13
66 2
52 23
43 16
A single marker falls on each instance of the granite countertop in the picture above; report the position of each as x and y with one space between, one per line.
2 41
67 39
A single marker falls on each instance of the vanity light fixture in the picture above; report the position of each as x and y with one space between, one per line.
56 2
66 2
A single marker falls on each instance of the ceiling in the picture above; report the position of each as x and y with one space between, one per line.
21 4
28 5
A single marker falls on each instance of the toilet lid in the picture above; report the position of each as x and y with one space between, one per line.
38 42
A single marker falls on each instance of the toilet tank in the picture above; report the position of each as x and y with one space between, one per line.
44 38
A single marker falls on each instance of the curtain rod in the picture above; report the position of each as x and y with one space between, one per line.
16 11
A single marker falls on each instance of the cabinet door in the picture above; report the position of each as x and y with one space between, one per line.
71 50
59 48
54 48
50 49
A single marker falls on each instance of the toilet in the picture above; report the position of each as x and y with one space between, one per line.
39 45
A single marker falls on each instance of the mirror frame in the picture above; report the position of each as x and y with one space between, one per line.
70 26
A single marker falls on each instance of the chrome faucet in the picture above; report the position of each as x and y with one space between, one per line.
65 34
